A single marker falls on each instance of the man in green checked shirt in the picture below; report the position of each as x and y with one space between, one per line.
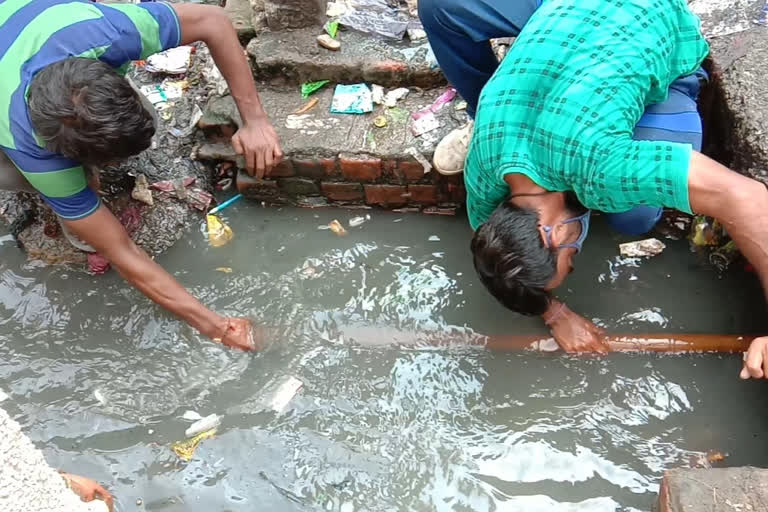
64 104
553 138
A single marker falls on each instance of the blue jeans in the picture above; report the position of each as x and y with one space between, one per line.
460 31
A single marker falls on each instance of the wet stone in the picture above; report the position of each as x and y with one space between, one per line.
714 490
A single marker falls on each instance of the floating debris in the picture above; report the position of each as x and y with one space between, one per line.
395 95
705 232
3 396
358 221
380 121
191 416
141 191
175 61
328 42
307 106
219 234
642 248
337 228
724 256
352 99
434 238
309 88
99 396
224 270
210 422
715 456
284 394
186 449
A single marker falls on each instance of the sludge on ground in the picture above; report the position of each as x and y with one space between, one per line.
100 377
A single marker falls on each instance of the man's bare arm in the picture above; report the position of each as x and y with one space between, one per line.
256 139
105 234
741 205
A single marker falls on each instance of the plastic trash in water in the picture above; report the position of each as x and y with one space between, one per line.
186 449
309 88
724 256
642 248
219 233
173 62
358 221
337 228
191 416
352 99
224 270
210 422
284 394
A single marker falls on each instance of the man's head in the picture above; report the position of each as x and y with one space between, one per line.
526 249
85 111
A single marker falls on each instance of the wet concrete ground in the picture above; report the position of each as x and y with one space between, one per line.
100 377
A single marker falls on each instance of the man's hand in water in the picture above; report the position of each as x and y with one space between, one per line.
240 333
756 360
87 489
572 332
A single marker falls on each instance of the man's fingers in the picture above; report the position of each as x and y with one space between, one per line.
259 164
278 152
268 162
744 373
250 164
754 364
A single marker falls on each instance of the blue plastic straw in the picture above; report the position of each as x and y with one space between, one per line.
226 203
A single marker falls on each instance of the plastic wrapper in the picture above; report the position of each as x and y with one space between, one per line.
337 228
309 88
173 62
186 449
375 17
352 99
210 422
219 234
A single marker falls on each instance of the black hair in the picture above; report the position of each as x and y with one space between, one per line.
512 261
86 111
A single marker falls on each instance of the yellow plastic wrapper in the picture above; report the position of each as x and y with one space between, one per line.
186 449
219 234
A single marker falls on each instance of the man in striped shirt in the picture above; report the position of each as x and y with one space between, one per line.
65 105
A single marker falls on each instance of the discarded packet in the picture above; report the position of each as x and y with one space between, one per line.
442 100
197 114
358 221
393 96
352 99
332 28
219 234
424 124
309 88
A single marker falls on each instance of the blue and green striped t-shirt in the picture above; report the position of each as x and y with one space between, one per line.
37 33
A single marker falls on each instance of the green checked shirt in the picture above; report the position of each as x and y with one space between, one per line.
562 106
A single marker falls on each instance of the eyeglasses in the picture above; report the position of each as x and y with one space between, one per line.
581 219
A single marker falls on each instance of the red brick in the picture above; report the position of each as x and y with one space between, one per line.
342 191
456 193
282 170
410 170
251 187
389 168
385 195
360 168
423 194
315 168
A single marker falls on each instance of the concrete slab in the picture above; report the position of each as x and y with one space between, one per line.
295 57
736 111
319 134
714 490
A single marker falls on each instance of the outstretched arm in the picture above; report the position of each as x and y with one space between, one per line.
105 234
256 139
741 206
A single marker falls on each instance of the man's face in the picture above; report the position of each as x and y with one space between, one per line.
566 239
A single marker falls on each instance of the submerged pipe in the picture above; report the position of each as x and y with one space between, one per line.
669 343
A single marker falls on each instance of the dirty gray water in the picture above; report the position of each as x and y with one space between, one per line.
100 378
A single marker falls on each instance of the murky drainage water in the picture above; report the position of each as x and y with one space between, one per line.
100 377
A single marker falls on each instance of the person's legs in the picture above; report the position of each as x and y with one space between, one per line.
675 120
460 31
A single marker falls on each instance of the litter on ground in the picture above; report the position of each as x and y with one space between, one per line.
352 99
